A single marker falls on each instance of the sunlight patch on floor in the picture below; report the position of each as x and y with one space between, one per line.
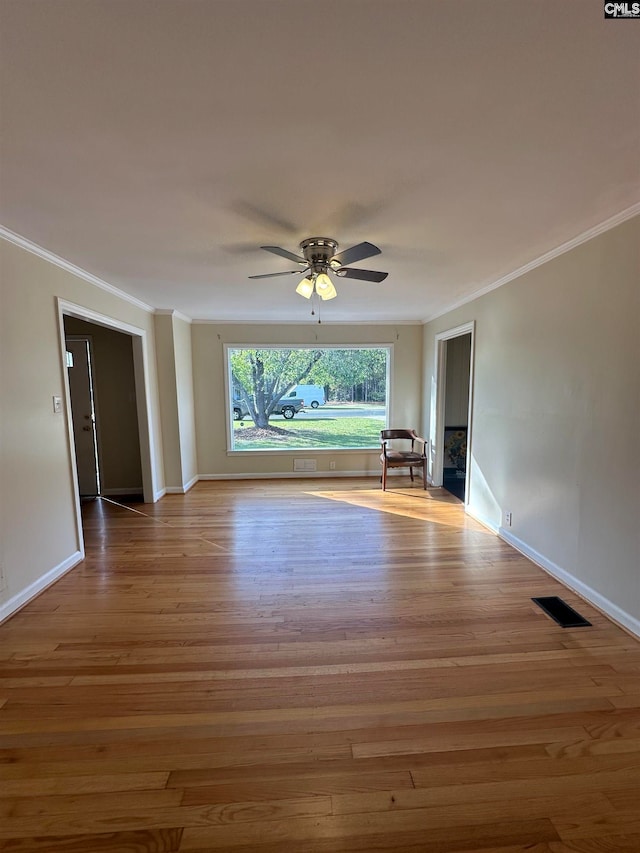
431 505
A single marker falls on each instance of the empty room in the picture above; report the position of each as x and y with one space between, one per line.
320 367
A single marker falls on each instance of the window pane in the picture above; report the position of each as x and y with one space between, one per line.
285 398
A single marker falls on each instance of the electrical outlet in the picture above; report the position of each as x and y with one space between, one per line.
57 405
332 465
507 519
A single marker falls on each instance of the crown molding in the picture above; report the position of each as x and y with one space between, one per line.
584 237
171 312
46 255
256 321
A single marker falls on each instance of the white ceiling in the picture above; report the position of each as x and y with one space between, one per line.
158 143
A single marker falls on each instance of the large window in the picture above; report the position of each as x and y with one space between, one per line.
290 398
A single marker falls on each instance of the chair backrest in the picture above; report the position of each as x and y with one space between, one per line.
390 434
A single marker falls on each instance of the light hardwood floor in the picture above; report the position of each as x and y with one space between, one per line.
310 666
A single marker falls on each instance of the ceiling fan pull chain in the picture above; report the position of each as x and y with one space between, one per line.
315 300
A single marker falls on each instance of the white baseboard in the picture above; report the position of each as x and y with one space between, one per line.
617 614
18 601
482 520
182 490
128 491
289 475
159 494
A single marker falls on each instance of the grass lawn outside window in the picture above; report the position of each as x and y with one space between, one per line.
334 430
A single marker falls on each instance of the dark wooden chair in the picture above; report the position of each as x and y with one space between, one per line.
410 458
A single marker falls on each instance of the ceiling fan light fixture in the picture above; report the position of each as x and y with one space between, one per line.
305 288
324 287
319 257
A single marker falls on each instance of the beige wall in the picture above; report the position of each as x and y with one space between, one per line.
175 376
168 391
116 415
557 414
38 531
209 387
185 401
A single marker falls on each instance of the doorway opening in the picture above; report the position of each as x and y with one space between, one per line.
104 410
111 441
451 411
456 415
79 363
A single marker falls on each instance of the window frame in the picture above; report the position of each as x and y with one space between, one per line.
228 396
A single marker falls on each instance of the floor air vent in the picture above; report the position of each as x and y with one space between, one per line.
559 610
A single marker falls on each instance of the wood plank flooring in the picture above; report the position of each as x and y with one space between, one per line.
312 666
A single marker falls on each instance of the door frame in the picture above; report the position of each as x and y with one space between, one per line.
438 404
140 347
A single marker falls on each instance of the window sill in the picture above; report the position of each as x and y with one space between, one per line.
300 451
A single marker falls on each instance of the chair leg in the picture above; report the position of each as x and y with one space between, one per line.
424 475
384 477
411 472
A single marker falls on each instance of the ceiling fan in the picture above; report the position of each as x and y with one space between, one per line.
319 258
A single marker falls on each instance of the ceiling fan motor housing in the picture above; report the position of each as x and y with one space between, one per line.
317 251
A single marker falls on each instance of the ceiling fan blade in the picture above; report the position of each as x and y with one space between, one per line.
361 275
356 253
286 272
276 250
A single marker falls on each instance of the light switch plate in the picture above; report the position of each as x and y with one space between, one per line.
57 405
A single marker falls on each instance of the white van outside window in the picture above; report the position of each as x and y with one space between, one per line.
311 395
